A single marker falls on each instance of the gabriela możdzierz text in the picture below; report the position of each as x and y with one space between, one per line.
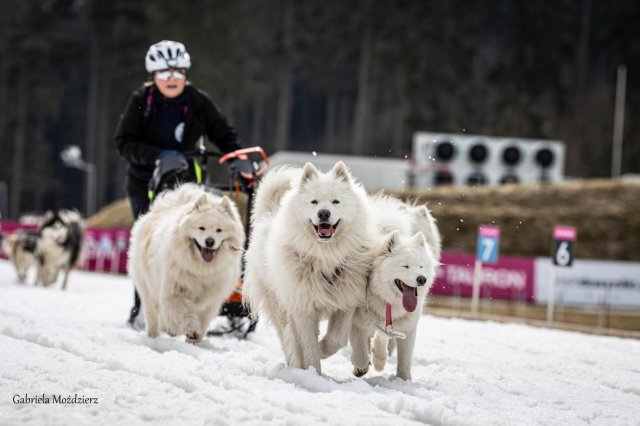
53 399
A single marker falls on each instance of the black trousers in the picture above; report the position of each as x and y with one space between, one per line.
139 206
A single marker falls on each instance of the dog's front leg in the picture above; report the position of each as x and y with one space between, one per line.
66 276
380 350
179 316
291 344
405 352
49 275
359 338
39 275
22 274
307 326
337 332
279 319
152 324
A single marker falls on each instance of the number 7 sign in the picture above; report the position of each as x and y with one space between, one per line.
488 244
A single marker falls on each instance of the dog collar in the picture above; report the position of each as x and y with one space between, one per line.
388 325
388 321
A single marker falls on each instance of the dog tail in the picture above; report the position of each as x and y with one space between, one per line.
271 190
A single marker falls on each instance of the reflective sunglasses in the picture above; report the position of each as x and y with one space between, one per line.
178 74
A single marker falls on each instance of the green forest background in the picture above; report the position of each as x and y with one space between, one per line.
350 77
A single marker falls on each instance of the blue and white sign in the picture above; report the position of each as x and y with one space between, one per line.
488 243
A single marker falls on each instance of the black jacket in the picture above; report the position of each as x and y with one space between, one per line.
137 135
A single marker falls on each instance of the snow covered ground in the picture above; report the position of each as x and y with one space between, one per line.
465 372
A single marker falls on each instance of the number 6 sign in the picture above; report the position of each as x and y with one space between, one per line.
564 237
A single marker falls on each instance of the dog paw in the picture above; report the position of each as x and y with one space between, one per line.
193 336
379 363
404 375
327 349
359 372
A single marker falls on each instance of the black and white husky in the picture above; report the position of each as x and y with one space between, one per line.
53 248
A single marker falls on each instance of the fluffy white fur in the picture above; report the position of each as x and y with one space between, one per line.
410 253
294 274
180 289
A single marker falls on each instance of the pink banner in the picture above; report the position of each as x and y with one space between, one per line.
510 278
105 250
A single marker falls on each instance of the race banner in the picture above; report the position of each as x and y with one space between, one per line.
509 278
591 282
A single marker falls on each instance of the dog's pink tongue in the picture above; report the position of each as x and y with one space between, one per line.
327 231
207 255
409 298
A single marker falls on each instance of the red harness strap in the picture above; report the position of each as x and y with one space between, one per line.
389 319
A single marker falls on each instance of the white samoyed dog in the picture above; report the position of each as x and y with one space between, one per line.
185 259
309 256
402 273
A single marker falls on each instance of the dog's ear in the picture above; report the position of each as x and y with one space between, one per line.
47 219
228 206
341 172
309 171
390 242
419 239
421 211
200 202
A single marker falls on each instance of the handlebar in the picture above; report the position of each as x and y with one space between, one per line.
241 154
202 153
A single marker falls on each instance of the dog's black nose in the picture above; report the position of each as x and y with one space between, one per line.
209 242
421 280
324 215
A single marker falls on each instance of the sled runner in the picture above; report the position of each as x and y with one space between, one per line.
174 167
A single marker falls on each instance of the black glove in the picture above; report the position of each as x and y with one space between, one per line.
243 169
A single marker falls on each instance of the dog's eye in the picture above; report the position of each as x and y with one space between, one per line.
405 266
201 228
336 202
218 230
314 202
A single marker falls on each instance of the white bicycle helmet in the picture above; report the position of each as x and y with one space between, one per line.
167 54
